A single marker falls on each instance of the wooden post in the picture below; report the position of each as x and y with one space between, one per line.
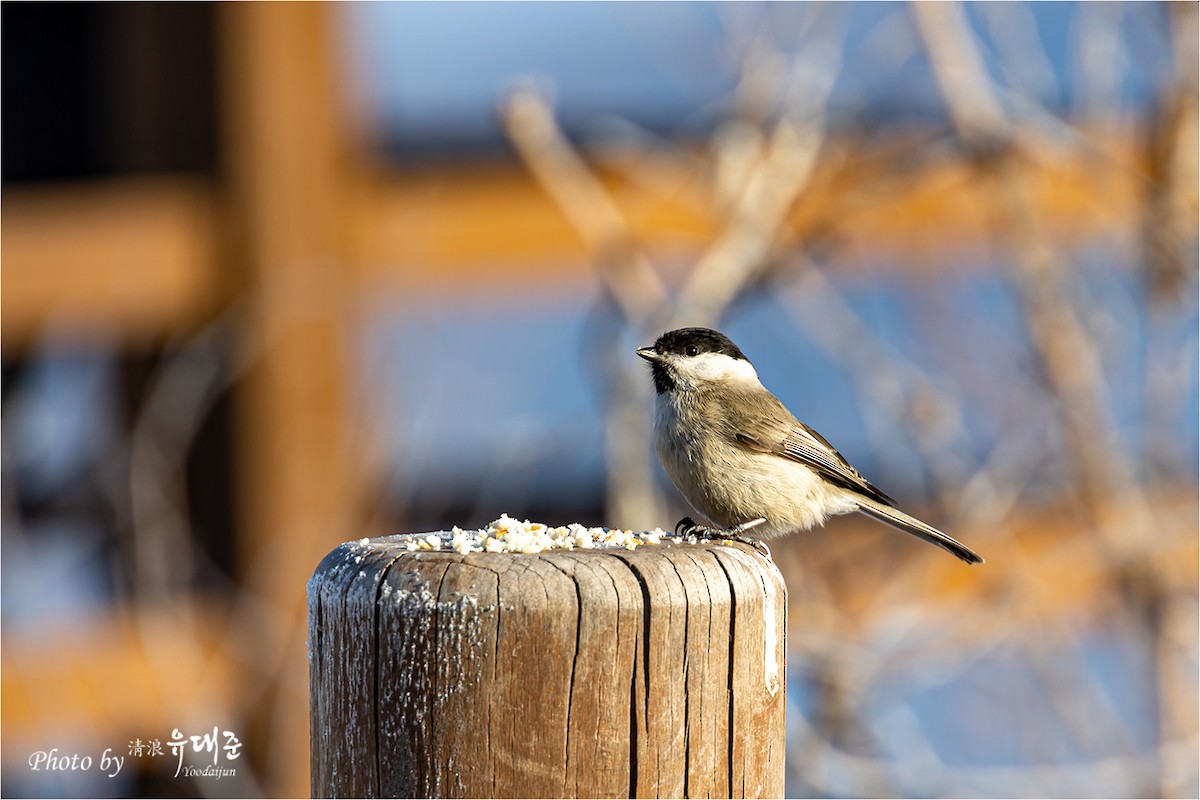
597 673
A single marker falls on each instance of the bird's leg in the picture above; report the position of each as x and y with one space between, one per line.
688 527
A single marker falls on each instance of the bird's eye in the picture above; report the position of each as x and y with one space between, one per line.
691 350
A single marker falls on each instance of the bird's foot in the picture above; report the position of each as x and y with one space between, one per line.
689 527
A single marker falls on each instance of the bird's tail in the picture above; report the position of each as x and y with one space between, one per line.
898 519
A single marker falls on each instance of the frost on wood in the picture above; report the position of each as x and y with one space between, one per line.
600 672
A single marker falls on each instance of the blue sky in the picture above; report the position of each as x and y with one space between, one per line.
431 73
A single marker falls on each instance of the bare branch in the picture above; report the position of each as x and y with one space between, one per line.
625 270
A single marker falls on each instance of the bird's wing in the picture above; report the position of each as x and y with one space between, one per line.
771 428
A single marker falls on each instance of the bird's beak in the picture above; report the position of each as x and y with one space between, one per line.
649 354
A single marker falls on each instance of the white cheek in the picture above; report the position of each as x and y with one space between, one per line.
720 367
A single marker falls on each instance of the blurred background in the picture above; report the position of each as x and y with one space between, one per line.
277 276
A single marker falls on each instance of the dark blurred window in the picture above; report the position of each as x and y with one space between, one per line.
96 89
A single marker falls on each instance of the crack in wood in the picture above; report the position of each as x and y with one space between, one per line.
647 606
687 696
574 664
732 639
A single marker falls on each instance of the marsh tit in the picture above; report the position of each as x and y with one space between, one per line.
742 460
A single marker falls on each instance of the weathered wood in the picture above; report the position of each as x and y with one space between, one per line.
598 673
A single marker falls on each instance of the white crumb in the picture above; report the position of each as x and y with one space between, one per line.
509 535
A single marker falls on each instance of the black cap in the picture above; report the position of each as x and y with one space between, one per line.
694 341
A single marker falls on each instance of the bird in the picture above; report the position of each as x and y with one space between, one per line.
744 461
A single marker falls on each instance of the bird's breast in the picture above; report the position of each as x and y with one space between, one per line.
730 484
